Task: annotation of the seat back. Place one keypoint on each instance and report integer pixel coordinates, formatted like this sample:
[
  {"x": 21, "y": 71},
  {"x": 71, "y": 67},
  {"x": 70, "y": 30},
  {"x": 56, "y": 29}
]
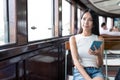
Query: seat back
[
  {"x": 68, "y": 73},
  {"x": 67, "y": 45},
  {"x": 67, "y": 48}
]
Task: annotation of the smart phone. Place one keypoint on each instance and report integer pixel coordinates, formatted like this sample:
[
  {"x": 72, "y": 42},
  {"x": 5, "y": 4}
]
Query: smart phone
[{"x": 96, "y": 44}]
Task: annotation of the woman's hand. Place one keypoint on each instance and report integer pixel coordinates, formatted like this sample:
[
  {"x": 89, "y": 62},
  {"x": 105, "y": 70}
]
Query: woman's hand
[{"x": 96, "y": 52}]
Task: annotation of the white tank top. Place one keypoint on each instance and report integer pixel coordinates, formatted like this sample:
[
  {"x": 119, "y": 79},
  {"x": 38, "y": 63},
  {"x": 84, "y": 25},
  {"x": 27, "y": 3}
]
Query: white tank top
[{"x": 83, "y": 44}]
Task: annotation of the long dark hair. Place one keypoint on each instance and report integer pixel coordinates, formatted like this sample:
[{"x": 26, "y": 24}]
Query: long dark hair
[{"x": 95, "y": 29}]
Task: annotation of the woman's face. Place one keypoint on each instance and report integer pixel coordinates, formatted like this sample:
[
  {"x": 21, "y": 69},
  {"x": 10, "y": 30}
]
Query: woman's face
[{"x": 87, "y": 21}]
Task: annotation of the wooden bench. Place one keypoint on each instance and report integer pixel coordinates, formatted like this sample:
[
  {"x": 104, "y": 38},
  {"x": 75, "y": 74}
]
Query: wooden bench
[{"x": 111, "y": 43}]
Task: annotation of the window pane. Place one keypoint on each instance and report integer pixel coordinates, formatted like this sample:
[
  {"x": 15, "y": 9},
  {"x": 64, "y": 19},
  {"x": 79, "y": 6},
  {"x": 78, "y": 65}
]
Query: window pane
[
  {"x": 109, "y": 22},
  {"x": 40, "y": 21},
  {"x": 2, "y": 23},
  {"x": 117, "y": 22},
  {"x": 12, "y": 21},
  {"x": 78, "y": 19},
  {"x": 65, "y": 18},
  {"x": 7, "y": 22}
]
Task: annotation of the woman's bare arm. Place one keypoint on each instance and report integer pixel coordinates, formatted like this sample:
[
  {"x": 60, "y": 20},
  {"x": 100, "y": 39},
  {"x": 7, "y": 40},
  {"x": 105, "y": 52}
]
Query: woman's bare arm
[{"x": 75, "y": 58}]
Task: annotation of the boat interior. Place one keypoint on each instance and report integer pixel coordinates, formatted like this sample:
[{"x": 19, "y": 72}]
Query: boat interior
[{"x": 28, "y": 54}]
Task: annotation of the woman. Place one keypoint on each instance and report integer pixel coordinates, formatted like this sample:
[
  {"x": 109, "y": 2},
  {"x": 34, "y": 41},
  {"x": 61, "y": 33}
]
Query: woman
[{"x": 86, "y": 61}]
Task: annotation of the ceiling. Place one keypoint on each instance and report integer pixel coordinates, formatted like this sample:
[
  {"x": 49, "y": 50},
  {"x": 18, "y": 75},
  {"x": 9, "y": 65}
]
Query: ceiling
[
  {"x": 110, "y": 6},
  {"x": 104, "y": 7}
]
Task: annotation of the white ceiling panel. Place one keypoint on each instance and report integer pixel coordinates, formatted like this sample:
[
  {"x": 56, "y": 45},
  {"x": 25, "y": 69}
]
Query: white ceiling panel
[{"x": 110, "y": 6}]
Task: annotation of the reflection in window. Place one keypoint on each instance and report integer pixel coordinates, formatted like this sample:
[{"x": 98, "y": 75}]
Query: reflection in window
[
  {"x": 40, "y": 21},
  {"x": 65, "y": 18}
]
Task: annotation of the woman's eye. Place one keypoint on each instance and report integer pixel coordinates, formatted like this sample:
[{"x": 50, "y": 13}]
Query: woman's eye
[
  {"x": 87, "y": 19},
  {"x": 84, "y": 18},
  {"x": 90, "y": 20}
]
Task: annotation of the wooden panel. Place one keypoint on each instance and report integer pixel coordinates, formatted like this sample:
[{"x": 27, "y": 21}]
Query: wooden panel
[
  {"x": 112, "y": 42},
  {"x": 112, "y": 45},
  {"x": 43, "y": 67}
]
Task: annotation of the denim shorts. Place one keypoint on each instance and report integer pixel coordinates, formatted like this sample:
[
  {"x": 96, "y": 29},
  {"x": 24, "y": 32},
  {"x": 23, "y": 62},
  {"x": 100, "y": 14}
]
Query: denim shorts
[{"x": 92, "y": 72}]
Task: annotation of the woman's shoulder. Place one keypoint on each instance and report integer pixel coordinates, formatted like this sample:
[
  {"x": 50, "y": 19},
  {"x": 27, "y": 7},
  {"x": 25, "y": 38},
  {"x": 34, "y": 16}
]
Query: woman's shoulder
[{"x": 73, "y": 37}]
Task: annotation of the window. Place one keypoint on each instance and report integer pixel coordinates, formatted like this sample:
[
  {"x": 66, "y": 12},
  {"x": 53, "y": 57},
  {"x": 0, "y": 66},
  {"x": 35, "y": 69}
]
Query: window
[
  {"x": 40, "y": 19},
  {"x": 101, "y": 20},
  {"x": 2, "y": 23},
  {"x": 78, "y": 19},
  {"x": 117, "y": 22},
  {"x": 65, "y": 18},
  {"x": 7, "y": 21},
  {"x": 109, "y": 22}
]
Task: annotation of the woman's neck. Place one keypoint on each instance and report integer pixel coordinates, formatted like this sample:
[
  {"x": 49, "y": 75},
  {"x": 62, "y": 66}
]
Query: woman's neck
[{"x": 84, "y": 33}]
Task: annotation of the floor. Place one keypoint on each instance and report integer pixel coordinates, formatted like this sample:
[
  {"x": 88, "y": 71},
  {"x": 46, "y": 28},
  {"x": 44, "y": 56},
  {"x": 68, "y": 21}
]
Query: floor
[{"x": 109, "y": 78}]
